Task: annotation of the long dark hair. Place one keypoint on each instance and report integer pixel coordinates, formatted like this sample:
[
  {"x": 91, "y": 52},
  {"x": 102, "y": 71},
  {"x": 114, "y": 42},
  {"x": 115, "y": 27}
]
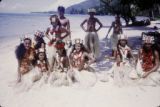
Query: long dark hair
[
  {"x": 146, "y": 50},
  {"x": 64, "y": 52},
  {"x": 45, "y": 59},
  {"x": 82, "y": 48},
  {"x": 20, "y": 51},
  {"x": 152, "y": 50},
  {"x": 39, "y": 41}
]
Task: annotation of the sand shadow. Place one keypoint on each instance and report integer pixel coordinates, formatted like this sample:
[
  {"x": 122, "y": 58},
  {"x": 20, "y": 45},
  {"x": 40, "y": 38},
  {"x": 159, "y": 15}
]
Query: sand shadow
[{"x": 104, "y": 64}]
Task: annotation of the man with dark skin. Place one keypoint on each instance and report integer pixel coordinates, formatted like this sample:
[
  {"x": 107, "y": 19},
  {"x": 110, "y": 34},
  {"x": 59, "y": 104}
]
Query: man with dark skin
[
  {"x": 91, "y": 38},
  {"x": 63, "y": 20}
]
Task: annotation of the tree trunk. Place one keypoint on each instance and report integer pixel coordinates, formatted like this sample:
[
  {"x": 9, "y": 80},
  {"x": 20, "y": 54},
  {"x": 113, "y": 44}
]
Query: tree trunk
[
  {"x": 133, "y": 19},
  {"x": 151, "y": 14},
  {"x": 158, "y": 6}
]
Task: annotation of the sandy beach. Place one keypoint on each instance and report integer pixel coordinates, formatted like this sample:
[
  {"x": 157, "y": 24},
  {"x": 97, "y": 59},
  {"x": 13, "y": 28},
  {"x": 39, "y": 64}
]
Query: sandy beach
[{"x": 102, "y": 94}]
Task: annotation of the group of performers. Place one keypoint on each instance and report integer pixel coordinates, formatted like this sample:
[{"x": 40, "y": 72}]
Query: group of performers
[{"x": 62, "y": 60}]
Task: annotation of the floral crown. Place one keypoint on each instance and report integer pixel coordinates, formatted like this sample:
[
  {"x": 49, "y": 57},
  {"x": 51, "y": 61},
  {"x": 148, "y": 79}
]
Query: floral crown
[
  {"x": 41, "y": 50},
  {"x": 147, "y": 38},
  {"x": 122, "y": 37},
  {"x": 91, "y": 10},
  {"x": 78, "y": 41},
  {"x": 39, "y": 34}
]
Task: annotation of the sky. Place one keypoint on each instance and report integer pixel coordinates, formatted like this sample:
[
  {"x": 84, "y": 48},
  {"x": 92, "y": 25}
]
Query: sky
[{"x": 25, "y": 6}]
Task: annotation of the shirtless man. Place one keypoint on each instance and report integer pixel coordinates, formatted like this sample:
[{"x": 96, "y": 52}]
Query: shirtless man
[
  {"x": 91, "y": 38},
  {"x": 63, "y": 20}
]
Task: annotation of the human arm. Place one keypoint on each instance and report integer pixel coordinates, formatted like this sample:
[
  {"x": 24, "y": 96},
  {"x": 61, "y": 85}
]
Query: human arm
[
  {"x": 121, "y": 31},
  {"x": 71, "y": 61},
  {"x": 82, "y": 25},
  {"x": 68, "y": 25},
  {"x": 91, "y": 59},
  {"x": 67, "y": 33},
  {"x": 109, "y": 29},
  {"x": 47, "y": 34},
  {"x": 100, "y": 25},
  {"x": 19, "y": 73},
  {"x": 118, "y": 60}
]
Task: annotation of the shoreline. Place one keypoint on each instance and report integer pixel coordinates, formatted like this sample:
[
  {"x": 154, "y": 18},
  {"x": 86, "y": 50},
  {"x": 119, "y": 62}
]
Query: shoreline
[{"x": 102, "y": 94}]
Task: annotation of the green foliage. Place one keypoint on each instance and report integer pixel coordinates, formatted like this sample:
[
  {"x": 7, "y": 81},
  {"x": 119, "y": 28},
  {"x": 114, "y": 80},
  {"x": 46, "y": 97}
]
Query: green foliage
[
  {"x": 128, "y": 9},
  {"x": 125, "y": 8},
  {"x": 146, "y": 4}
]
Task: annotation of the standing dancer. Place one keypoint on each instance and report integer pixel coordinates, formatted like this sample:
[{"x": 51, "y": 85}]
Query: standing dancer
[
  {"x": 91, "y": 38},
  {"x": 117, "y": 29}
]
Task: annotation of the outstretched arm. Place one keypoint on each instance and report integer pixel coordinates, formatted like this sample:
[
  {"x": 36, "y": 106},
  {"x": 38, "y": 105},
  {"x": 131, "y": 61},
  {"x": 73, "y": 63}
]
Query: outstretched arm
[
  {"x": 91, "y": 59},
  {"x": 82, "y": 25},
  {"x": 109, "y": 30}
]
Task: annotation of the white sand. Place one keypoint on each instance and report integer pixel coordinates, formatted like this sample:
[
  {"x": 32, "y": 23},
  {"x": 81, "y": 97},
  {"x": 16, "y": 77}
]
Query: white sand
[{"x": 103, "y": 94}]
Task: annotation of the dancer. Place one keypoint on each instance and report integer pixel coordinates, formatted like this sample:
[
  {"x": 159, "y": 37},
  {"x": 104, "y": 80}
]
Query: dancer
[
  {"x": 80, "y": 58},
  {"x": 80, "y": 61},
  {"x": 123, "y": 64},
  {"x": 59, "y": 76},
  {"x": 117, "y": 29},
  {"x": 54, "y": 34},
  {"x": 91, "y": 38},
  {"x": 61, "y": 57},
  {"x": 25, "y": 56},
  {"x": 147, "y": 69},
  {"x": 41, "y": 70}
]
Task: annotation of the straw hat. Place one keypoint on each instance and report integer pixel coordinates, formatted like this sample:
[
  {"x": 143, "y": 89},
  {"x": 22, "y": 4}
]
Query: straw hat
[{"x": 91, "y": 10}]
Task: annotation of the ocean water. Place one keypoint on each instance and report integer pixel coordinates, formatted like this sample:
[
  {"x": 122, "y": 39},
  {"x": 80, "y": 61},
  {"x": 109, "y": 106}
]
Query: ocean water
[{"x": 15, "y": 25}]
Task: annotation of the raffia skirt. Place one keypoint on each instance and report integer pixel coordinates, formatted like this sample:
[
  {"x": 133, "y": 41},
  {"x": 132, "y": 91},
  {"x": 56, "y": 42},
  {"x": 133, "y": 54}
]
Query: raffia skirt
[
  {"x": 83, "y": 78},
  {"x": 114, "y": 41},
  {"x": 153, "y": 79},
  {"x": 92, "y": 43},
  {"x": 33, "y": 77}
]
